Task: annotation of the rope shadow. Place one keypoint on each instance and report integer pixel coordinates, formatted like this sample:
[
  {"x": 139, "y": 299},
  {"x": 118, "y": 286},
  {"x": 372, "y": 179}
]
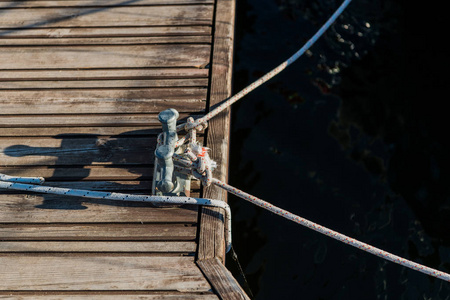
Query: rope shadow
[{"x": 79, "y": 153}]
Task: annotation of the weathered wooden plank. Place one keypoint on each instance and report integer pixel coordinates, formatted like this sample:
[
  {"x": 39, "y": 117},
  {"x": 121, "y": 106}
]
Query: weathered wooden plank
[
  {"x": 97, "y": 173},
  {"x": 127, "y": 123},
  {"x": 80, "y": 131},
  {"x": 211, "y": 231},
  {"x": 5, "y": 4},
  {"x": 76, "y": 151},
  {"x": 37, "y": 208},
  {"x": 211, "y": 237},
  {"x": 98, "y": 131},
  {"x": 86, "y": 173},
  {"x": 106, "y": 16},
  {"x": 221, "y": 87},
  {"x": 90, "y": 57},
  {"x": 97, "y": 246},
  {"x": 68, "y": 150},
  {"x": 129, "y": 31},
  {"x": 97, "y": 232},
  {"x": 142, "y": 186},
  {"x": 222, "y": 280},
  {"x": 115, "y": 175},
  {"x": 107, "y": 295},
  {"x": 91, "y": 101},
  {"x": 98, "y": 84},
  {"x": 104, "y": 74},
  {"x": 100, "y": 273},
  {"x": 105, "y": 41}
]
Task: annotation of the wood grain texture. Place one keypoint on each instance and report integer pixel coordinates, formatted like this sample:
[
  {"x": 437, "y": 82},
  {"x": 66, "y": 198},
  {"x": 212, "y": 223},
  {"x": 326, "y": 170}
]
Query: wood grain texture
[
  {"x": 105, "y": 41},
  {"x": 97, "y": 232},
  {"x": 136, "y": 177},
  {"x": 100, "y": 273},
  {"x": 123, "y": 295},
  {"x": 211, "y": 231},
  {"x": 77, "y": 151},
  {"x": 97, "y": 246},
  {"x": 127, "y": 186},
  {"x": 102, "y": 74},
  {"x": 102, "y": 101},
  {"x": 222, "y": 280},
  {"x": 98, "y": 84},
  {"x": 106, "y": 16},
  {"x": 102, "y": 32},
  {"x": 83, "y": 174},
  {"x": 80, "y": 151},
  {"x": 113, "y": 56},
  {"x": 93, "y": 177},
  {"x": 221, "y": 87},
  {"x": 127, "y": 123},
  {"x": 79, "y": 131},
  {"x": 96, "y": 3},
  {"x": 211, "y": 236}
]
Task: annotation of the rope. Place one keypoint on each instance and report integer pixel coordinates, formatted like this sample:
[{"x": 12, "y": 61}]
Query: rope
[
  {"x": 201, "y": 167},
  {"x": 125, "y": 197},
  {"x": 228, "y": 102},
  {"x": 331, "y": 233},
  {"x": 32, "y": 180}
]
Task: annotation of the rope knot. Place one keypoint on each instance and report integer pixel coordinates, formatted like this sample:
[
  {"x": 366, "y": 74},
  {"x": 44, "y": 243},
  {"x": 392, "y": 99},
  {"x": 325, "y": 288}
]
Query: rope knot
[
  {"x": 203, "y": 165},
  {"x": 190, "y": 125}
]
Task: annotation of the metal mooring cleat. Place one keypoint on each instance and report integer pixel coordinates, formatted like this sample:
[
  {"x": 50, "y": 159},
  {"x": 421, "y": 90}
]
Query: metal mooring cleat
[{"x": 166, "y": 181}]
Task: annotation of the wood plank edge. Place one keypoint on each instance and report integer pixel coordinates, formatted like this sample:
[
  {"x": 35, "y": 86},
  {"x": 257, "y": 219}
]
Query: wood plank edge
[
  {"x": 220, "y": 89},
  {"x": 221, "y": 279},
  {"x": 175, "y": 293}
]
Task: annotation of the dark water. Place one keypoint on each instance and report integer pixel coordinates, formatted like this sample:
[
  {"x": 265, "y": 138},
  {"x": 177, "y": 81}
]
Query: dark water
[{"x": 352, "y": 136}]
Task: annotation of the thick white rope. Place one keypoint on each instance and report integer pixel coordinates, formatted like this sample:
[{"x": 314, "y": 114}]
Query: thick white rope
[
  {"x": 221, "y": 204},
  {"x": 32, "y": 180},
  {"x": 228, "y": 102},
  {"x": 200, "y": 166},
  {"x": 173, "y": 200},
  {"x": 331, "y": 233},
  {"x": 203, "y": 172}
]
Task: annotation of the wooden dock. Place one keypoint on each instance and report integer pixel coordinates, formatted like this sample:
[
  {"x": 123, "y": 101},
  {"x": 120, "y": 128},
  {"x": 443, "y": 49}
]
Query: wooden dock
[{"x": 81, "y": 85}]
